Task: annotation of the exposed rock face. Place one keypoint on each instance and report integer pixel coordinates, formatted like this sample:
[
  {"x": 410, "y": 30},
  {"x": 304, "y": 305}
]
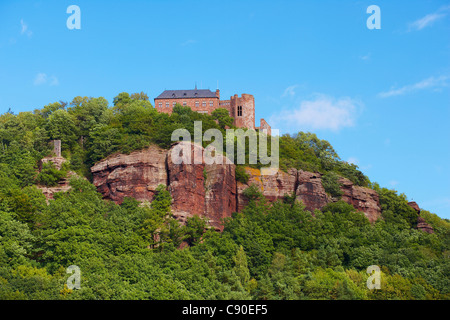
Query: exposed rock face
[
  {"x": 210, "y": 190},
  {"x": 422, "y": 225},
  {"x": 273, "y": 187},
  {"x": 186, "y": 185},
  {"x": 310, "y": 190},
  {"x": 63, "y": 186},
  {"x": 197, "y": 188},
  {"x": 415, "y": 206},
  {"x": 362, "y": 199},
  {"x": 56, "y": 161},
  {"x": 220, "y": 194},
  {"x": 136, "y": 175}
]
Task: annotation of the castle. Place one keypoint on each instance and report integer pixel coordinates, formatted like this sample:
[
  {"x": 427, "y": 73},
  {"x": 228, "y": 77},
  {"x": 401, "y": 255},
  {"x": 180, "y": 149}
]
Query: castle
[{"x": 242, "y": 109}]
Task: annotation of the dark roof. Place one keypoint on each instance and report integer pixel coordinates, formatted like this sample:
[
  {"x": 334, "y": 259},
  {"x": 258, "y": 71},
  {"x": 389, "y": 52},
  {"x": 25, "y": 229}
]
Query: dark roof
[{"x": 179, "y": 94}]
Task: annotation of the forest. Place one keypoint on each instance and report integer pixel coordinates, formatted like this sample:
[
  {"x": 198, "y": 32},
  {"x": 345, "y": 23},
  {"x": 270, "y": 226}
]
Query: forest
[{"x": 269, "y": 251}]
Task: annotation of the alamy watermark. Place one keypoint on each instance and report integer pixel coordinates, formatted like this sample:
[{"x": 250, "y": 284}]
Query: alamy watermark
[
  {"x": 74, "y": 281},
  {"x": 374, "y": 21},
  {"x": 214, "y": 152},
  {"x": 374, "y": 280},
  {"x": 74, "y": 21}
]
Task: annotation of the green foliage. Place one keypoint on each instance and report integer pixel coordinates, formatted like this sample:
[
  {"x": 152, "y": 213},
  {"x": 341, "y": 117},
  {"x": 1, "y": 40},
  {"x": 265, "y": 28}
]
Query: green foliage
[
  {"x": 241, "y": 175},
  {"x": 50, "y": 175},
  {"x": 140, "y": 251},
  {"x": 223, "y": 117},
  {"x": 331, "y": 184}
]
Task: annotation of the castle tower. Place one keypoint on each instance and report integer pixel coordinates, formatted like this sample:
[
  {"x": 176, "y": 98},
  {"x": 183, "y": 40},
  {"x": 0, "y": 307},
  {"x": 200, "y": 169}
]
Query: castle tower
[{"x": 242, "y": 109}]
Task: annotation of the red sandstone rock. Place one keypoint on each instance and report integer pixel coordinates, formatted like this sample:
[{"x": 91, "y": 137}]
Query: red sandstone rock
[
  {"x": 136, "y": 175},
  {"x": 186, "y": 185},
  {"x": 220, "y": 194},
  {"x": 207, "y": 190},
  {"x": 414, "y": 205},
  {"x": 63, "y": 186},
  {"x": 422, "y": 225},
  {"x": 273, "y": 187},
  {"x": 362, "y": 199},
  {"x": 210, "y": 190},
  {"x": 310, "y": 190}
]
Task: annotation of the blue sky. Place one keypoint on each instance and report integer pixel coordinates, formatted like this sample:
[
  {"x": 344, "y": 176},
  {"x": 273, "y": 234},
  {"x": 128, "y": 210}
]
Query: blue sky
[{"x": 381, "y": 97}]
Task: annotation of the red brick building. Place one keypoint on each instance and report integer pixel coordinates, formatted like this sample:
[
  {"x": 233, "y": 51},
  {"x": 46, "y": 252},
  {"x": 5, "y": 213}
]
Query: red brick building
[{"x": 242, "y": 109}]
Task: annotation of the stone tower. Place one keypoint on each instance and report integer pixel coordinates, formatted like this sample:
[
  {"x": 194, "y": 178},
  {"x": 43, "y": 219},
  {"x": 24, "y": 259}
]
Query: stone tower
[{"x": 242, "y": 109}]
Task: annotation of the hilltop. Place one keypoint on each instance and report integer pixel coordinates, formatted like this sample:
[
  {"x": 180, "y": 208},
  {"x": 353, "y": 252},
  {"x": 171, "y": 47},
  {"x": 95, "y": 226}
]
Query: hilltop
[{"x": 308, "y": 232}]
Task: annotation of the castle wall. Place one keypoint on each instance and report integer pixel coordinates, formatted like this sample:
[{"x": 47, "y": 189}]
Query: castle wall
[
  {"x": 247, "y": 118},
  {"x": 242, "y": 109},
  {"x": 206, "y": 105},
  {"x": 265, "y": 126}
]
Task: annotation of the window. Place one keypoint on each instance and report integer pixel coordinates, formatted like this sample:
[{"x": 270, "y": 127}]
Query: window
[
  {"x": 204, "y": 103},
  {"x": 167, "y": 104},
  {"x": 205, "y": 112},
  {"x": 173, "y": 104},
  {"x": 184, "y": 103},
  {"x": 196, "y": 103},
  {"x": 211, "y": 103},
  {"x": 160, "y": 104},
  {"x": 239, "y": 111}
]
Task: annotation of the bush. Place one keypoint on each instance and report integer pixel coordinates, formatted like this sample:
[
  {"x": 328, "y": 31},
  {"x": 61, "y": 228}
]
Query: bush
[
  {"x": 241, "y": 175},
  {"x": 49, "y": 175},
  {"x": 330, "y": 182}
]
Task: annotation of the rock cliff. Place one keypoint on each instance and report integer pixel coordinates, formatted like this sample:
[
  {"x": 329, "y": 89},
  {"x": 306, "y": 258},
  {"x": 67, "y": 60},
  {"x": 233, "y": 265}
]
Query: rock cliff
[
  {"x": 131, "y": 175},
  {"x": 211, "y": 190},
  {"x": 422, "y": 225}
]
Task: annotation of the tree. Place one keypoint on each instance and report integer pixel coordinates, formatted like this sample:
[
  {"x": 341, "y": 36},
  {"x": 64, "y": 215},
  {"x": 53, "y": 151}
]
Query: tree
[
  {"x": 223, "y": 116},
  {"x": 61, "y": 126},
  {"x": 241, "y": 267}
]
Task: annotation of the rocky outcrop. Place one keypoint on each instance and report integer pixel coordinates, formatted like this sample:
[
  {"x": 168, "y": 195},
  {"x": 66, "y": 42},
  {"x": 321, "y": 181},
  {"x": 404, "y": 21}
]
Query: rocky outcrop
[
  {"x": 273, "y": 187},
  {"x": 362, "y": 199},
  {"x": 415, "y": 206},
  {"x": 136, "y": 175},
  {"x": 56, "y": 161},
  {"x": 186, "y": 184},
  {"x": 63, "y": 186},
  {"x": 197, "y": 188},
  {"x": 211, "y": 190},
  {"x": 310, "y": 190},
  {"x": 422, "y": 225}
]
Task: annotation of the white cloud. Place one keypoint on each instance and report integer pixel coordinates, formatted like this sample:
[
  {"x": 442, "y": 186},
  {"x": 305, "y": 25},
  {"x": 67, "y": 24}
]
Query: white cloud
[
  {"x": 54, "y": 81},
  {"x": 431, "y": 82},
  {"x": 429, "y": 19},
  {"x": 323, "y": 112},
  {"x": 24, "y": 28},
  {"x": 289, "y": 91},
  {"x": 42, "y": 78}
]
